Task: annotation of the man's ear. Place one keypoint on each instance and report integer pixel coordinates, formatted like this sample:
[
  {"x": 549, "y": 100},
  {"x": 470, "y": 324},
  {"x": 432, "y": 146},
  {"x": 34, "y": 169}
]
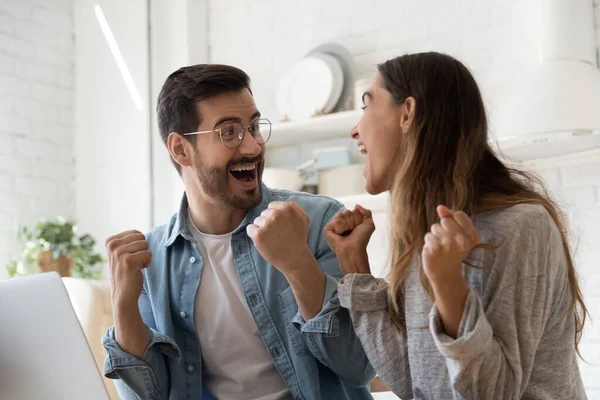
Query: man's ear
[{"x": 181, "y": 149}]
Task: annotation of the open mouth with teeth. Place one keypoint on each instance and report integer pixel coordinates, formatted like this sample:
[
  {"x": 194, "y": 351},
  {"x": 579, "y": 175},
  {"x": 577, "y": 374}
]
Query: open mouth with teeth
[
  {"x": 245, "y": 173},
  {"x": 362, "y": 149}
]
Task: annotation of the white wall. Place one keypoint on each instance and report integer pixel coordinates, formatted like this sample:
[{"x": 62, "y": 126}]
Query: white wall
[
  {"x": 112, "y": 134},
  {"x": 36, "y": 113},
  {"x": 178, "y": 37},
  {"x": 495, "y": 38}
]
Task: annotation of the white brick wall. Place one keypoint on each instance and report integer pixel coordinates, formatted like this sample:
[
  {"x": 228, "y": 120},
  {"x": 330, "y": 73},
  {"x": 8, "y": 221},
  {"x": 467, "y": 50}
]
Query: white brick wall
[
  {"x": 493, "y": 37},
  {"x": 36, "y": 128}
]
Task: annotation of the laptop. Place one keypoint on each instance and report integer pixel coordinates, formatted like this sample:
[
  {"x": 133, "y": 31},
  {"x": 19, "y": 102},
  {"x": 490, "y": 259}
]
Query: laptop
[{"x": 44, "y": 354}]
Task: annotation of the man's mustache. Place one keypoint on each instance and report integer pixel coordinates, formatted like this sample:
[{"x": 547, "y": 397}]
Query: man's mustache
[{"x": 245, "y": 160}]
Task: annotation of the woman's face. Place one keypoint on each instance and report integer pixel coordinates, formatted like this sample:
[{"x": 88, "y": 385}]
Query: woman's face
[{"x": 380, "y": 134}]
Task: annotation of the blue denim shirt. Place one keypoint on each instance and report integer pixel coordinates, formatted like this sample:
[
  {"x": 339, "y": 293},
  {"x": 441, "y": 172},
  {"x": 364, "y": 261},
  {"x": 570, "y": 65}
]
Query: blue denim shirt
[{"x": 318, "y": 359}]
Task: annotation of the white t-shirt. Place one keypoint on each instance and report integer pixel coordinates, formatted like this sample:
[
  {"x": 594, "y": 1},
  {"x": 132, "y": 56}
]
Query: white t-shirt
[{"x": 236, "y": 363}]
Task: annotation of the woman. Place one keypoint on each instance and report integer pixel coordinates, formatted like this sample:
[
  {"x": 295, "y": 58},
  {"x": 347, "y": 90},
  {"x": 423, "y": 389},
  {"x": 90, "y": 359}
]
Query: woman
[{"x": 482, "y": 300}]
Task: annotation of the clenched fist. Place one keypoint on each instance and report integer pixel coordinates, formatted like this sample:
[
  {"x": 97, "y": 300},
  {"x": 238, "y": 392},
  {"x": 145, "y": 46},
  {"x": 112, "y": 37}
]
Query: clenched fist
[
  {"x": 128, "y": 254},
  {"x": 280, "y": 234},
  {"x": 350, "y": 231},
  {"x": 348, "y": 235},
  {"x": 447, "y": 245}
]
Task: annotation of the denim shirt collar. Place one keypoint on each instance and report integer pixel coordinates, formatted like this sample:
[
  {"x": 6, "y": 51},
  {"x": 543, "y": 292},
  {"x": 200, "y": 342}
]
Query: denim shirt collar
[{"x": 181, "y": 228}]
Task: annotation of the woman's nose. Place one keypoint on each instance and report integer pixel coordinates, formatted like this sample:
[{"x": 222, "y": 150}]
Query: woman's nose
[{"x": 354, "y": 132}]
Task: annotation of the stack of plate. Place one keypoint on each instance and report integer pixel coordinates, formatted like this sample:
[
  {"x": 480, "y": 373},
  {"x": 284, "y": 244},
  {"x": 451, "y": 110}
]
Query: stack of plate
[{"x": 317, "y": 84}]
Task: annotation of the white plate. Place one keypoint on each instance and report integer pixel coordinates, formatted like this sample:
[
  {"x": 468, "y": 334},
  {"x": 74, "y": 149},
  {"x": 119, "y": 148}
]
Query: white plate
[
  {"x": 338, "y": 79},
  {"x": 313, "y": 84},
  {"x": 346, "y": 61}
]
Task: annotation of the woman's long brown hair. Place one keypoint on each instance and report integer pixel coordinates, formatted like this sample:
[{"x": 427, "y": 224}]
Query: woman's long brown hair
[{"x": 447, "y": 160}]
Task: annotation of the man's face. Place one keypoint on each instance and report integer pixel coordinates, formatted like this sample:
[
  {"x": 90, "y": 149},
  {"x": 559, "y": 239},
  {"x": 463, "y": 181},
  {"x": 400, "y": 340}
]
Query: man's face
[{"x": 230, "y": 176}]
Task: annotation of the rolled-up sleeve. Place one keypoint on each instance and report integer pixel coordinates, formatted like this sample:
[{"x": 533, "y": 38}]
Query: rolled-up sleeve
[
  {"x": 326, "y": 321},
  {"x": 145, "y": 378},
  {"x": 329, "y": 335}
]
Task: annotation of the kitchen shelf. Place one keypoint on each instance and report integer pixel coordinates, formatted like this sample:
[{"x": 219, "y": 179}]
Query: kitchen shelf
[
  {"x": 524, "y": 148},
  {"x": 323, "y": 127}
]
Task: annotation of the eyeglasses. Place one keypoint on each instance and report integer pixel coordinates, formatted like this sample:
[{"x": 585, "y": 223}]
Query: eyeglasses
[{"x": 232, "y": 134}]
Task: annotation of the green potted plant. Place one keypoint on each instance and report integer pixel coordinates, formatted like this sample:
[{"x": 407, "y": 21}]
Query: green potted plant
[{"x": 54, "y": 245}]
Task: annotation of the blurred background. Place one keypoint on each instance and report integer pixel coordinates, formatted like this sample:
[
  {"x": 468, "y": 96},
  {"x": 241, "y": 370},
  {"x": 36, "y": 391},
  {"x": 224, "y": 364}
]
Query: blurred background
[{"x": 79, "y": 81}]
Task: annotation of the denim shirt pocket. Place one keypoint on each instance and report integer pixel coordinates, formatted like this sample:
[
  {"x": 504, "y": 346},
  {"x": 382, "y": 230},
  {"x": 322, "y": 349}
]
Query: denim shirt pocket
[{"x": 289, "y": 309}]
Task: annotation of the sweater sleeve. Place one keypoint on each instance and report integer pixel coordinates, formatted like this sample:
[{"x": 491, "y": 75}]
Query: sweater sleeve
[
  {"x": 365, "y": 297},
  {"x": 525, "y": 304}
]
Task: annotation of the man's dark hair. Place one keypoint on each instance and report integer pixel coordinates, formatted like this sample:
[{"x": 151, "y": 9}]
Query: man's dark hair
[{"x": 176, "y": 107}]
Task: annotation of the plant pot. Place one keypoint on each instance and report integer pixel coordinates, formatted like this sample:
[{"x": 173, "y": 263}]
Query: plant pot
[{"x": 62, "y": 264}]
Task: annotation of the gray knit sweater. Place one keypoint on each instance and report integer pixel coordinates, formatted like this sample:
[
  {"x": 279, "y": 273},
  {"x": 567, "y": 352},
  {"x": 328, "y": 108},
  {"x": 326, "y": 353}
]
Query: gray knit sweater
[{"x": 515, "y": 338}]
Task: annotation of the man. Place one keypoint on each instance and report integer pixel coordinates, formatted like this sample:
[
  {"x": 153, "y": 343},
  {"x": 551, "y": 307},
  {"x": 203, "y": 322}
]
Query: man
[{"x": 221, "y": 301}]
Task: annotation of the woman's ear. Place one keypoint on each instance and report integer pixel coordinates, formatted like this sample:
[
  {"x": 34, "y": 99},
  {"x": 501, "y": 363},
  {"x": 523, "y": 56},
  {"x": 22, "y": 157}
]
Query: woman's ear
[
  {"x": 408, "y": 113},
  {"x": 180, "y": 149}
]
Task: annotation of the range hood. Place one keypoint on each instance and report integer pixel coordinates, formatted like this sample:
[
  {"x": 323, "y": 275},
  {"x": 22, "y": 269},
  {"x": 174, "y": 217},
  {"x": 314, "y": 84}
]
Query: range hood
[{"x": 559, "y": 112}]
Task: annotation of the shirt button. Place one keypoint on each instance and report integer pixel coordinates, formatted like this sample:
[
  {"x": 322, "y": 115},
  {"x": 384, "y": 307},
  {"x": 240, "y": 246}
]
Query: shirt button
[
  {"x": 190, "y": 368},
  {"x": 183, "y": 314},
  {"x": 192, "y": 259}
]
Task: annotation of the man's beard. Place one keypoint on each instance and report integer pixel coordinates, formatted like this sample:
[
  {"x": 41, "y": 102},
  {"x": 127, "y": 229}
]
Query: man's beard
[{"x": 214, "y": 181}]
